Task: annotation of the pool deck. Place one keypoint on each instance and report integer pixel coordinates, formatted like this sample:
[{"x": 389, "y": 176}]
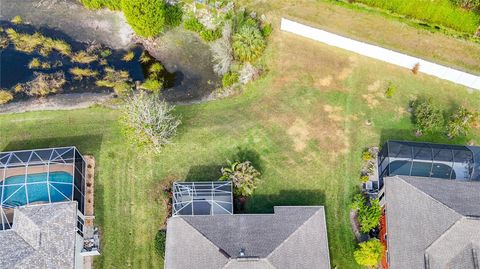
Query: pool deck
[{"x": 32, "y": 169}]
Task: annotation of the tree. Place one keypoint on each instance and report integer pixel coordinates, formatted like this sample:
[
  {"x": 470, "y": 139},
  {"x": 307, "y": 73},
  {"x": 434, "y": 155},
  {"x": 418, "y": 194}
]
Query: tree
[
  {"x": 461, "y": 122},
  {"x": 369, "y": 253},
  {"x": 243, "y": 175},
  {"x": 427, "y": 117},
  {"x": 368, "y": 214},
  {"x": 150, "y": 120},
  {"x": 147, "y": 17},
  {"x": 248, "y": 43}
]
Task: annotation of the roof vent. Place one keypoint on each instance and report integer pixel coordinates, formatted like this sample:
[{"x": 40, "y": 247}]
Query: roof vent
[{"x": 242, "y": 253}]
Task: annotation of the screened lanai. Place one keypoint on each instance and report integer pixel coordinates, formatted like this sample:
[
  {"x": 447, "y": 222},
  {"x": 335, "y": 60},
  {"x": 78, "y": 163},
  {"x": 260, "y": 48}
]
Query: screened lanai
[
  {"x": 429, "y": 160},
  {"x": 40, "y": 176},
  {"x": 202, "y": 198}
]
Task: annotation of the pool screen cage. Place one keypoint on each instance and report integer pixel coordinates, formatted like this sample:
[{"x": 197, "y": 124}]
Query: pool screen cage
[
  {"x": 40, "y": 176},
  {"x": 429, "y": 160},
  {"x": 202, "y": 198}
]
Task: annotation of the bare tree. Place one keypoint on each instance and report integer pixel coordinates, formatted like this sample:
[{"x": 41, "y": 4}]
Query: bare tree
[{"x": 150, "y": 119}]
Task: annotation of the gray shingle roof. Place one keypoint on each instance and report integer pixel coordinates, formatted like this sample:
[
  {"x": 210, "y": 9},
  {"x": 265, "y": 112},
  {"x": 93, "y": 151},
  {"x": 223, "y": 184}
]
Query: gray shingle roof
[
  {"x": 292, "y": 237},
  {"x": 422, "y": 211},
  {"x": 42, "y": 236}
]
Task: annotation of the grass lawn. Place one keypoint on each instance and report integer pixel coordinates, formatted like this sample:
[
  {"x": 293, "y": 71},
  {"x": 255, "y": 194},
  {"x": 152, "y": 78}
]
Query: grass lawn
[
  {"x": 377, "y": 28},
  {"x": 304, "y": 123},
  {"x": 441, "y": 12}
]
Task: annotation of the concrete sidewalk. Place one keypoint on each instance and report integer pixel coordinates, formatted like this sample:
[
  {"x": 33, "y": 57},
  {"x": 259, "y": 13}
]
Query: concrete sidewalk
[{"x": 382, "y": 54}]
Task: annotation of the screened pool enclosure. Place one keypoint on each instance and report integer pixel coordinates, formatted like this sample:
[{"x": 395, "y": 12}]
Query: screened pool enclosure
[
  {"x": 202, "y": 198},
  {"x": 429, "y": 160},
  {"x": 40, "y": 176}
]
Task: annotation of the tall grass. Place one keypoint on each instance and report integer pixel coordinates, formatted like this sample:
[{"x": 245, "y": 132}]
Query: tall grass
[{"x": 441, "y": 12}]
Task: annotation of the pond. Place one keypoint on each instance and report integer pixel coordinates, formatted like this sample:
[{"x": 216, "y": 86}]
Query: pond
[{"x": 19, "y": 67}]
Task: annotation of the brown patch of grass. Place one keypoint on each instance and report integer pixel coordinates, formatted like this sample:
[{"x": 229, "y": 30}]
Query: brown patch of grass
[{"x": 299, "y": 133}]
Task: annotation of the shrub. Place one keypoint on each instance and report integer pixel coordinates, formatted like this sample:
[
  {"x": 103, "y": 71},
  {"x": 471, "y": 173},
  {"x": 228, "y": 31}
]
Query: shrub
[
  {"x": 155, "y": 68},
  {"x": 105, "y": 53},
  {"x": 248, "y": 43},
  {"x": 210, "y": 35},
  {"x": 416, "y": 68},
  {"x": 83, "y": 57},
  {"x": 35, "y": 63},
  {"x": 151, "y": 84},
  {"x": 117, "y": 80},
  {"x": 80, "y": 73},
  {"x": 368, "y": 214},
  {"x": 461, "y": 122},
  {"x": 390, "y": 91},
  {"x": 147, "y": 17},
  {"x": 367, "y": 156},
  {"x": 243, "y": 176},
  {"x": 229, "y": 79},
  {"x": 192, "y": 24},
  {"x": 160, "y": 239},
  {"x": 173, "y": 15},
  {"x": 127, "y": 57},
  {"x": 17, "y": 20},
  {"x": 468, "y": 4},
  {"x": 426, "y": 116},
  {"x": 248, "y": 73},
  {"x": 45, "y": 84},
  {"x": 145, "y": 57},
  {"x": 150, "y": 120},
  {"x": 97, "y": 4},
  {"x": 267, "y": 30},
  {"x": 369, "y": 253},
  {"x": 222, "y": 53},
  {"x": 5, "y": 97},
  {"x": 364, "y": 179}
]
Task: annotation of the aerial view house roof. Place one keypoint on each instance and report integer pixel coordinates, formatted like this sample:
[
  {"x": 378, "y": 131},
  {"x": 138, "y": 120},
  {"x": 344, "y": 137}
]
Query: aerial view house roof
[
  {"x": 432, "y": 223},
  {"x": 42, "y": 236},
  {"x": 291, "y": 237},
  {"x": 42, "y": 209}
]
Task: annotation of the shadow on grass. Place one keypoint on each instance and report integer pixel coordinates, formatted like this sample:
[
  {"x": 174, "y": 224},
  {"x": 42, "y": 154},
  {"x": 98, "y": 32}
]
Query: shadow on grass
[
  {"x": 409, "y": 135},
  {"x": 86, "y": 144},
  {"x": 265, "y": 203},
  {"x": 209, "y": 172}
]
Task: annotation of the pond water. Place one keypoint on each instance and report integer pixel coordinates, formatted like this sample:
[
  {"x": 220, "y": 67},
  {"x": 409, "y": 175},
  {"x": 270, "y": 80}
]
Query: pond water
[{"x": 14, "y": 64}]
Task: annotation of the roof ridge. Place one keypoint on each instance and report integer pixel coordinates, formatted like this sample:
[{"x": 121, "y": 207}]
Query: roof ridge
[
  {"x": 263, "y": 259},
  {"x": 428, "y": 195},
  {"x": 295, "y": 231}
]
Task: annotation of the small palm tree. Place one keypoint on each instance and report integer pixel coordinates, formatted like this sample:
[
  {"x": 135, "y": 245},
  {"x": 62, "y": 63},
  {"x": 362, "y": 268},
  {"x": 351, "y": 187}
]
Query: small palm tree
[
  {"x": 248, "y": 43},
  {"x": 243, "y": 175}
]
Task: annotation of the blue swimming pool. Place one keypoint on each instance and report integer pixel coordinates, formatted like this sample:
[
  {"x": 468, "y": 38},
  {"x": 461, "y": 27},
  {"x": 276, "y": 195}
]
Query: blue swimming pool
[{"x": 14, "y": 191}]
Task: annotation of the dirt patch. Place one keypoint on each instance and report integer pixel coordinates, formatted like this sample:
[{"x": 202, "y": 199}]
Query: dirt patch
[
  {"x": 374, "y": 95},
  {"x": 324, "y": 82},
  {"x": 299, "y": 134}
]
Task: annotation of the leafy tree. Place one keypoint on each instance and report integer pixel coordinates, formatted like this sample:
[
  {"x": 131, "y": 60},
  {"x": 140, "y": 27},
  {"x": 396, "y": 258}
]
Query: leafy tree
[
  {"x": 368, "y": 214},
  {"x": 461, "y": 122},
  {"x": 248, "y": 43},
  {"x": 243, "y": 175},
  {"x": 149, "y": 120},
  {"x": 427, "y": 117},
  {"x": 147, "y": 17},
  {"x": 369, "y": 253}
]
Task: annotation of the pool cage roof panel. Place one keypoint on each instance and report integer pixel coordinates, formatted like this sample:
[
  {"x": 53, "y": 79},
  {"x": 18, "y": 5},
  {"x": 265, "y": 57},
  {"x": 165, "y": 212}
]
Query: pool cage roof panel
[
  {"x": 40, "y": 176},
  {"x": 202, "y": 198},
  {"x": 441, "y": 160}
]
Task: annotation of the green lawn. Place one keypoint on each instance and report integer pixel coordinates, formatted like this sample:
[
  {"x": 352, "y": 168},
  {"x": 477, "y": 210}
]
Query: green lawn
[
  {"x": 304, "y": 125},
  {"x": 441, "y": 12}
]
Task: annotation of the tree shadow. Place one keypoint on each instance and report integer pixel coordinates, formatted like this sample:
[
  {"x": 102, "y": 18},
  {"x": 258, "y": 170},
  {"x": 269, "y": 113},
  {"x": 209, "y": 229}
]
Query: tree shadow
[
  {"x": 209, "y": 172},
  {"x": 243, "y": 154},
  {"x": 86, "y": 144},
  {"x": 265, "y": 203}
]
